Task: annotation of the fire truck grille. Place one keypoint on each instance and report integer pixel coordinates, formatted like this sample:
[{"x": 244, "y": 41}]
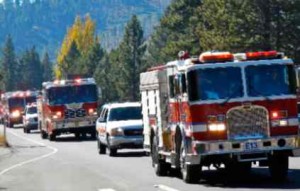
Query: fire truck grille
[
  {"x": 247, "y": 123},
  {"x": 73, "y": 113}
]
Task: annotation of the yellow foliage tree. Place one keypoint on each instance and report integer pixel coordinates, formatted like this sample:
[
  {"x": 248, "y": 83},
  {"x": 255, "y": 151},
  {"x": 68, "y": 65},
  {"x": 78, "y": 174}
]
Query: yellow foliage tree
[{"x": 83, "y": 33}]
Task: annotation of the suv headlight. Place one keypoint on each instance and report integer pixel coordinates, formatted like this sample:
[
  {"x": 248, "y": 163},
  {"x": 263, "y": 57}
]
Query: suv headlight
[{"x": 117, "y": 132}]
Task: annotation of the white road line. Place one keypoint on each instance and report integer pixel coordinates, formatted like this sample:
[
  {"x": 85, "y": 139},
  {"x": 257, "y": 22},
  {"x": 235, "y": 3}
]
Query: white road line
[
  {"x": 54, "y": 150},
  {"x": 164, "y": 187},
  {"x": 106, "y": 189}
]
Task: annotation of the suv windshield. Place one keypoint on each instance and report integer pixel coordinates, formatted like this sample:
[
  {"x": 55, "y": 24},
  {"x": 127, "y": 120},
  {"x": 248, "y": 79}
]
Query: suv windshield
[
  {"x": 215, "y": 83},
  {"x": 269, "y": 80},
  {"x": 31, "y": 110},
  {"x": 72, "y": 94},
  {"x": 125, "y": 113}
]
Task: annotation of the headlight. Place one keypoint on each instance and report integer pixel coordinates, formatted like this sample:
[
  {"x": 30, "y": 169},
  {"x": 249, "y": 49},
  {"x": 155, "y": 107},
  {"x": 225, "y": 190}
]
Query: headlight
[
  {"x": 16, "y": 114},
  {"x": 216, "y": 127},
  {"x": 117, "y": 132}
]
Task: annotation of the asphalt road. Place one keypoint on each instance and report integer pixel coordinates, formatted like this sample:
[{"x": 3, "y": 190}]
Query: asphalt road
[{"x": 70, "y": 164}]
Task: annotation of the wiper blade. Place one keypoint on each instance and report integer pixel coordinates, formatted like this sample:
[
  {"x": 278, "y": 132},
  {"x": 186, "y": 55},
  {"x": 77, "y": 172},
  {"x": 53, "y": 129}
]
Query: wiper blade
[
  {"x": 232, "y": 95},
  {"x": 258, "y": 92}
]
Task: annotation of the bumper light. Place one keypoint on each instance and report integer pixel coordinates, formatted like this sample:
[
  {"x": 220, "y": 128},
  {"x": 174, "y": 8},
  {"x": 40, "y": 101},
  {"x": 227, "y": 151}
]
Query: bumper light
[
  {"x": 280, "y": 123},
  {"x": 217, "y": 127},
  {"x": 15, "y": 114}
]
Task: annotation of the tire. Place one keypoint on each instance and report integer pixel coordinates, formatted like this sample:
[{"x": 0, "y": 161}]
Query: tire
[
  {"x": 111, "y": 151},
  {"x": 278, "y": 166},
  {"x": 24, "y": 130},
  {"x": 190, "y": 173},
  {"x": 52, "y": 137},
  {"x": 101, "y": 148},
  {"x": 93, "y": 135},
  {"x": 161, "y": 168},
  {"x": 77, "y": 135},
  {"x": 44, "y": 135}
]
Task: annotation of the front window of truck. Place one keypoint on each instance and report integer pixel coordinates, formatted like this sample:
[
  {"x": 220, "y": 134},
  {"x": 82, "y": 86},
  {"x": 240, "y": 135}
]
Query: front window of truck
[
  {"x": 125, "y": 113},
  {"x": 17, "y": 102},
  {"x": 215, "y": 83},
  {"x": 72, "y": 94},
  {"x": 270, "y": 80}
]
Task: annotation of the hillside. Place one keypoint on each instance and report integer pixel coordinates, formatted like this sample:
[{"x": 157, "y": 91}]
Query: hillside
[{"x": 43, "y": 23}]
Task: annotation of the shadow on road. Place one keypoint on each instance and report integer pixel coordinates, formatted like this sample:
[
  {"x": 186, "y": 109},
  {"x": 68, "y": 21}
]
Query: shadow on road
[
  {"x": 131, "y": 154},
  {"x": 259, "y": 178},
  {"x": 73, "y": 139}
]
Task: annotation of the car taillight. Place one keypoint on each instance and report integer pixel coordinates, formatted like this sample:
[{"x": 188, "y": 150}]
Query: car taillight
[
  {"x": 279, "y": 114},
  {"x": 57, "y": 115},
  {"x": 92, "y": 111}
]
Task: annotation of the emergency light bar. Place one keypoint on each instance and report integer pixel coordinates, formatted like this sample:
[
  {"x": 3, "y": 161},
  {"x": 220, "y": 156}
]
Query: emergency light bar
[
  {"x": 68, "y": 82},
  {"x": 209, "y": 57},
  {"x": 261, "y": 55}
]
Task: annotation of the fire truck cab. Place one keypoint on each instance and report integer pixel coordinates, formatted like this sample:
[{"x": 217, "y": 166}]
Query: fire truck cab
[
  {"x": 68, "y": 106},
  {"x": 221, "y": 109},
  {"x": 14, "y": 104}
]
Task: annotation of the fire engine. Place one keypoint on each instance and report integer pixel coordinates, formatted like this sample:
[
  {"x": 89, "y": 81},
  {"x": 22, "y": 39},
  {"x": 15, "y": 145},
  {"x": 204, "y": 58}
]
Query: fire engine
[
  {"x": 221, "y": 109},
  {"x": 14, "y": 104},
  {"x": 68, "y": 106}
]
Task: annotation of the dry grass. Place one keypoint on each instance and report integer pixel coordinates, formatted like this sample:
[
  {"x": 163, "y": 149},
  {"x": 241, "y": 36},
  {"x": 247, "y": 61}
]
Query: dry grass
[{"x": 2, "y": 140}]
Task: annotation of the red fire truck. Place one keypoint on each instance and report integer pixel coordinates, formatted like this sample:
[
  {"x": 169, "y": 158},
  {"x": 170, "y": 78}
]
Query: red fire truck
[
  {"x": 68, "y": 106},
  {"x": 221, "y": 109},
  {"x": 14, "y": 104}
]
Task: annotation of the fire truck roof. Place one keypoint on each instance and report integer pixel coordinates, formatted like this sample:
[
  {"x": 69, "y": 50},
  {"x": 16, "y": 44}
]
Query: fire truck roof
[
  {"x": 27, "y": 93},
  {"x": 210, "y": 59}
]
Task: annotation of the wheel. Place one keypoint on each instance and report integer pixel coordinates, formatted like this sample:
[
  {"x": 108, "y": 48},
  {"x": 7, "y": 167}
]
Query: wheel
[
  {"x": 24, "y": 130},
  {"x": 278, "y": 166},
  {"x": 44, "y": 135},
  {"x": 161, "y": 168},
  {"x": 93, "y": 135},
  {"x": 190, "y": 173},
  {"x": 111, "y": 151},
  {"x": 101, "y": 147},
  {"x": 77, "y": 135},
  {"x": 52, "y": 137}
]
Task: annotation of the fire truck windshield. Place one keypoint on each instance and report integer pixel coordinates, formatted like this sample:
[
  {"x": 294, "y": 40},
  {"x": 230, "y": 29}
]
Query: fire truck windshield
[
  {"x": 270, "y": 80},
  {"x": 215, "y": 83},
  {"x": 16, "y": 102},
  {"x": 72, "y": 94}
]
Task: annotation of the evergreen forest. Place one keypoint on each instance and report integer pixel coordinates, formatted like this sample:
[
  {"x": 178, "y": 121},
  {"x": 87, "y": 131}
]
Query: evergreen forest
[{"x": 191, "y": 25}]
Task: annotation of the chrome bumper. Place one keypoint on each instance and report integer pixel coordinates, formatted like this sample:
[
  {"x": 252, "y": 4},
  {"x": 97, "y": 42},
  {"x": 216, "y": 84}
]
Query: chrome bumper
[
  {"x": 126, "y": 141},
  {"x": 261, "y": 147},
  {"x": 74, "y": 123}
]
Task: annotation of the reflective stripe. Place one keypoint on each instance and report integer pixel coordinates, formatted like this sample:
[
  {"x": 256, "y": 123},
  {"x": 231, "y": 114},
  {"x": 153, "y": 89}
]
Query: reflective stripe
[
  {"x": 293, "y": 122},
  {"x": 199, "y": 128}
]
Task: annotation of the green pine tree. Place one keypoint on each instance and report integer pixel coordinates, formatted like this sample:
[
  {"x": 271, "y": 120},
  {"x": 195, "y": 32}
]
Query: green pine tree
[
  {"x": 9, "y": 65},
  {"x": 131, "y": 51},
  {"x": 47, "y": 68}
]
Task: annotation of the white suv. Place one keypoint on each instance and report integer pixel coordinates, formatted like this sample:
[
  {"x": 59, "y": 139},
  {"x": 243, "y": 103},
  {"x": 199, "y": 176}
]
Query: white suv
[
  {"x": 119, "y": 126},
  {"x": 30, "y": 118}
]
